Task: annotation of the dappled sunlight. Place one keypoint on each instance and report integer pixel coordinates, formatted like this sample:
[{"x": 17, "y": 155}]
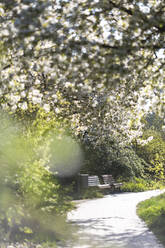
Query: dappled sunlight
[{"x": 112, "y": 222}]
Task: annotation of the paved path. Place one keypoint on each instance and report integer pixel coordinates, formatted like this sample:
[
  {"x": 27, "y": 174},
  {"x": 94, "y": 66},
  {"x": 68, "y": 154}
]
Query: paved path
[{"x": 111, "y": 222}]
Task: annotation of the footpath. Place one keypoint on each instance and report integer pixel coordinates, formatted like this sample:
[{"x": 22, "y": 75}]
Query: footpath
[{"x": 112, "y": 222}]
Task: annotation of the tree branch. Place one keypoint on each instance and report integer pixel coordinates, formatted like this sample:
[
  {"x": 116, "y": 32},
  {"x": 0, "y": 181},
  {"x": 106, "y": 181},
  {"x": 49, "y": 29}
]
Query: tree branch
[{"x": 128, "y": 11}]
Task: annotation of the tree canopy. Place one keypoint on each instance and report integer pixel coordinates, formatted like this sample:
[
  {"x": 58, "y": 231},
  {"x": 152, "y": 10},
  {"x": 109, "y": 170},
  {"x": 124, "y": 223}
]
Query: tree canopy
[{"x": 99, "y": 64}]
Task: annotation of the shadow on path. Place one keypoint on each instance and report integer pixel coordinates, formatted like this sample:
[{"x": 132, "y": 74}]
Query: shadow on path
[{"x": 111, "y": 222}]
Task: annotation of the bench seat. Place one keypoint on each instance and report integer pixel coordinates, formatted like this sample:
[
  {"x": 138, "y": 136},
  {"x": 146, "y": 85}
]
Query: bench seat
[
  {"x": 93, "y": 181},
  {"x": 108, "y": 179},
  {"x": 104, "y": 186},
  {"x": 107, "y": 182}
]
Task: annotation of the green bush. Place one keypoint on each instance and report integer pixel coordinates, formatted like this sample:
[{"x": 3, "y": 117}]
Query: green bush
[
  {"x": 111, "y": 158},
  {"x": 140, "y": 184},
  {"x": 134, "y": 186},
  {"x": 33, "y": 203},
  {"x": 153, "y": 153}
]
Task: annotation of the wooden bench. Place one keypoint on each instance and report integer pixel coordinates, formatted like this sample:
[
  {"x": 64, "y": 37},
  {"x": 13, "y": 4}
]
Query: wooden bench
[
  {"x": 107, "y": 182},
  {"x": 108, "y": 179},
  {"x": 93, "y": 181}
]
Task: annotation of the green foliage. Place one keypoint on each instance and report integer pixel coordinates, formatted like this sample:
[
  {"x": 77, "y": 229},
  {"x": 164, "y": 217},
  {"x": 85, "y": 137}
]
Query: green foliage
[
  {"x": 153, "y": 153},
  {"x": 152, "y": 211},
  {"x": 33, "y": 203},
  {"x": 154, "y": 122},
  {"x": 135, "y": 185},
  {"x": 111, "y": 158},
  {"x": 140, "y": 184},
  {"x": 91, "y": 192}
]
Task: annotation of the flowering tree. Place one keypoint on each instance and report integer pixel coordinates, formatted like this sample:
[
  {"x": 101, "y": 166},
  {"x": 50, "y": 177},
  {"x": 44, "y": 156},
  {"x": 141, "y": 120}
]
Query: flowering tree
[{"x": 99, "y": 64}]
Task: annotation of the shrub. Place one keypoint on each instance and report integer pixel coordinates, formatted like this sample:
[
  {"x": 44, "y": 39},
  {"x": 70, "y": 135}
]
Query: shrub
[
  {"x": 110, "y": 158},
  {"x": 140, "y": 184},
  {"x": 153, "y": 153},
  {"x": 33, "y": 203},
  {"x": 134, "y": 186}
]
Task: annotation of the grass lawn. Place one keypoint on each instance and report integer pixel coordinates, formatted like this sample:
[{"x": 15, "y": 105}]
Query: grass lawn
[{"x": 152, "y": 211}]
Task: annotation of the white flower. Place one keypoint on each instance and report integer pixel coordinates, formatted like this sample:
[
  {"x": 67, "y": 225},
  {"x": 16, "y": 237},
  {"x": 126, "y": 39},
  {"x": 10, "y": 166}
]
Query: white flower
[
  {"x": 68, "y": 84},
  {"x": 35, "y": 92},
  {"x": 55, "y": 98},
  {"x": 14, "y": 107},
  {"x": 2, "y": 12},
  {"x": 163, "y": 128},
  {"x": 36, "y": 99},
  {"x": 37, "y": 81},
  {"x": 94, "y": 103},
  {"x": 57, "y": 110},
  {"x": 23, "y": 105},
  {"x": 15, "y": 99},
  {"x": 46, "y": 107},
  {"x": 99, "y": 86},
  {"x": 12, "y": 83},
  {"x": 23, "y": 94},
  {"x": 150, "y": 138}
]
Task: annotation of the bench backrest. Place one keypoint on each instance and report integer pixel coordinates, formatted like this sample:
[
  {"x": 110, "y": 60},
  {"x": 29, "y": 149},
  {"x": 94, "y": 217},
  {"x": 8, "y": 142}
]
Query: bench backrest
[
  {"x": 108, "y": 179},
  {"x": 93, "y": 181}
]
